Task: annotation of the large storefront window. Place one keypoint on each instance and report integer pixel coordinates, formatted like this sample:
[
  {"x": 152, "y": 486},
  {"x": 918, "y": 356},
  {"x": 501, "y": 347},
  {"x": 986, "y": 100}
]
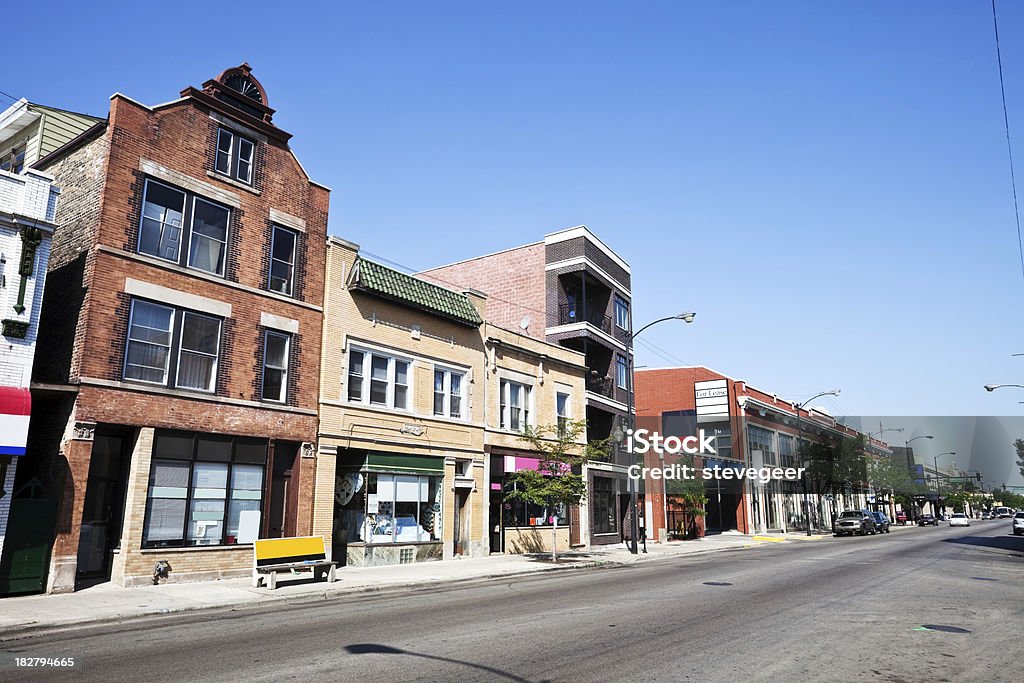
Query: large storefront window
[
  {"x": 204, "y": 489},
  {"x": 520, "y": 513},
  {"x": 760, "y": 439},
  {"x": 381, "y": 507},
  {"x": 602, "y": 495}
]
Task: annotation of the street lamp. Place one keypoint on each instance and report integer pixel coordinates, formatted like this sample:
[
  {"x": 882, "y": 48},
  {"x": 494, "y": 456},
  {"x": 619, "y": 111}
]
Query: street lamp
[
  {"x": 631, "y": 424},
  {"x": 913, "y": 508},
  {"x": 938, "y": 483},
  {"x": 799, "y": 433},
  {"x": 993, "y": 387},
  {"x": 892, "y": 491}
]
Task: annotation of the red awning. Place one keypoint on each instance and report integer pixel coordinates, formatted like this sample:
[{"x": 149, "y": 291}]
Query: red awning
[
  {"x": 15, "y": 407},
  {"x": 15, "y": 401}
]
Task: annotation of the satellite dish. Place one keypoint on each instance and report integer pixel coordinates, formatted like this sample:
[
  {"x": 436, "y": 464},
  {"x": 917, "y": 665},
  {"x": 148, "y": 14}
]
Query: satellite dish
[{"x": 525, "y": 322}]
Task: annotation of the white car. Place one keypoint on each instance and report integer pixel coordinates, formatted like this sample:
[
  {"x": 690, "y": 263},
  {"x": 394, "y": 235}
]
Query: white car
[
  {"x": 1018, "y": 524},
  {"x": 959, "y": 519}
]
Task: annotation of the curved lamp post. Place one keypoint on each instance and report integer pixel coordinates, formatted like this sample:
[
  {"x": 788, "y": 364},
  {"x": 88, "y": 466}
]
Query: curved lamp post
[
  {"x": 993, "y": 387},
  {"x": 938, "y": 482},
  {"x": 799, "y": 433},
  {"x": 630, "y": 422},
  {"x": 892, "y": 491}
]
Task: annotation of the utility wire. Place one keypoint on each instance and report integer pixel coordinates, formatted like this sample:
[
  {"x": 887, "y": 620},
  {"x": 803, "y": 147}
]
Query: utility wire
[
  {"x": 662, "y": 353},
  {"x": 1009, "y": 147}
]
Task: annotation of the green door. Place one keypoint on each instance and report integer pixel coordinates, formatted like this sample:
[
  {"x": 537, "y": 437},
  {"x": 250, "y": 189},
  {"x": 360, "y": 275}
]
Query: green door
[{"x": 26, "y": 552}]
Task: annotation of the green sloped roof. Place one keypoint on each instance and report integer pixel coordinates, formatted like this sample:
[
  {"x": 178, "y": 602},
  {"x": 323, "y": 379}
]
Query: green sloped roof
[{"x": 373, "y": 278}]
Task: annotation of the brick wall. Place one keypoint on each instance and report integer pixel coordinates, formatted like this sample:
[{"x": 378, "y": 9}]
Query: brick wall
[
  {"x": 513, "y": 281},
  {"x": 86, "y": 315}
]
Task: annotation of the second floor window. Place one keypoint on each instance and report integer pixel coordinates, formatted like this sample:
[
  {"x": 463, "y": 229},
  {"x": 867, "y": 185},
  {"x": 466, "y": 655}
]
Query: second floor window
[
  {"x": 562, "y": 407},
  {"x": 448, "y": 393},
  {"x": 172, "y": 347},
  {"x": 234, "y": 156},
  {"x": 515, "y": 405},
  {"x": 282, "y": 261},
  {"x": 14, "y": 160},
  {"x": 378, "y": 380},
  {"x": 621, "y": 372},
  {"x": 162, "y": 231},
  {"x": 275, "y": 366}
]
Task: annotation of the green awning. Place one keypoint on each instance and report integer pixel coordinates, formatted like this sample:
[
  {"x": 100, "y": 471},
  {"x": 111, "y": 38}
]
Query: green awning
[{"x": 405, "y": 464}]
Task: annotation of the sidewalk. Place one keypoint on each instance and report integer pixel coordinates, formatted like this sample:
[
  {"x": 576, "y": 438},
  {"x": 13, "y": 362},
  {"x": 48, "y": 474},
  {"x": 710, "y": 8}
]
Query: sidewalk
[{"x": 108, "y": 603}]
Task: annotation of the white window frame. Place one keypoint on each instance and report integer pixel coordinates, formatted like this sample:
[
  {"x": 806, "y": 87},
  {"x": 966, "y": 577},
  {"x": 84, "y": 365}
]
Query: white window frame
[
  {"x": 622, "y": 382},
  {"x": 527, "y": 413},
  {"x": 563, "y": 420},
  {"x": 446, "y": 390},
  {"x": 283, "y": 397},
  {"x": 620, "y": 304},
  {"x": 186, "y": 229},
  {"x": 170, "y": 344},
  {"x": 234, "y": 156},
  {"x": 295, "y": 249},
  {"x": 174, "y": 350},
  {"x": 393, "y": 359}
]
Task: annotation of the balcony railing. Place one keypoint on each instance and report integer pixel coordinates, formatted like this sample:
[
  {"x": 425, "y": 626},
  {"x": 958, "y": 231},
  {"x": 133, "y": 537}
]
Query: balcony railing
[
  {"x": 567, "y": 315},
  {"x": 601, "y": 385}
]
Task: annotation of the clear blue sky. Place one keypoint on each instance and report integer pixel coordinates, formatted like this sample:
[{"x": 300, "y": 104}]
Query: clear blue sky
[{"x": 826, "y": 184}]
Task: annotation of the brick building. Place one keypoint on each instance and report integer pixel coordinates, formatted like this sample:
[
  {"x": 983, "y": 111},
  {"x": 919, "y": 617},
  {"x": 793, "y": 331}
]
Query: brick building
[
  {"x": 176, "y": 391},
  {"x": 569, "y": 289},
  {"x": 752, "y": 428},
  {"x": 401, "y": 473},
  {"x": 28, "y": 202},
  {"x": 540, "y": 384}
]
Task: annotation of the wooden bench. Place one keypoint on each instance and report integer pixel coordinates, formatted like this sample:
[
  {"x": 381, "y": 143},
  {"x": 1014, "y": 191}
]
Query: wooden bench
[{"x": 273, "y": 555}]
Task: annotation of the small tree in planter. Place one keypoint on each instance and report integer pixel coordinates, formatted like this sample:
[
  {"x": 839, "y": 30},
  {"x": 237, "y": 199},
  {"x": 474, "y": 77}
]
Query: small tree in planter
[
  {"x": 557, "y": 481},
  {"x": 688, "y": 497}
]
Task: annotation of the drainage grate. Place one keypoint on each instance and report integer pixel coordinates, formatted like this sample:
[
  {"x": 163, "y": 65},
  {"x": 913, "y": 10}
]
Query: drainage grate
[
  {"x": 717, "y": 583},
  {"x": 983, "y": 578},
  {"x": 406, "y": 555},
  {"x": 942, "y": 627}
]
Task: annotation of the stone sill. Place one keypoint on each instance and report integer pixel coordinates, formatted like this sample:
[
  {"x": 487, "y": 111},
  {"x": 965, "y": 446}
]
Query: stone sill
[{"x": 200, "y": 548}]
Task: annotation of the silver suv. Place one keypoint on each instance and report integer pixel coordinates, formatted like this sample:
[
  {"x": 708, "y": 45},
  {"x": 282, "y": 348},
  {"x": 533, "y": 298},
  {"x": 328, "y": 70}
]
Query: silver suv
[
  {"x": 1018, "y": 524},
  {"x": 859, "y": 522}
]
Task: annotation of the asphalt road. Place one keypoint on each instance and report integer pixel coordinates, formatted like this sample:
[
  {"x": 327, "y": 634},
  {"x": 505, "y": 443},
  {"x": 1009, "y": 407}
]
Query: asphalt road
[{"x": 843, "y": 609}]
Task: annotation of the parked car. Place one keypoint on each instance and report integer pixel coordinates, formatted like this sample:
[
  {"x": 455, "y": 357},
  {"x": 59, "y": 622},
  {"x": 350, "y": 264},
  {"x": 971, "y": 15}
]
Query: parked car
[
  {"x": 859, "y": 522},
  {"x": 901, "y": 517},
  {"x": 1018, "y": 524},
  {"x": 1003, "y": 512},
  {"x": 959, "y": 519},
  {"x": 986, "y": 515},
  {"x": 881, "y": 522},
  {"x": 926, "y": 520}
]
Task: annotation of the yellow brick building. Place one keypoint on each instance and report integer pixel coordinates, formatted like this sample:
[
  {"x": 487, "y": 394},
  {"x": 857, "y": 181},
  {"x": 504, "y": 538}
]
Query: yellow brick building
[
  {"x": 401, "y": 470},
  {"x": 536, "y": 383}
]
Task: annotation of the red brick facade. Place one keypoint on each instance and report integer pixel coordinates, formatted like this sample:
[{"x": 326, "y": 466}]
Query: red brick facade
[{"x": 87, "y": 313}]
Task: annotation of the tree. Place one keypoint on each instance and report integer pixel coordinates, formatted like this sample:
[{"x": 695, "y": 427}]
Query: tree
[
  {"x": 687, "y": 496},
  {"x": 557, "y": 481},
  {"x": 836, "y": 466},
  {"x": 1019, "y": 445}
]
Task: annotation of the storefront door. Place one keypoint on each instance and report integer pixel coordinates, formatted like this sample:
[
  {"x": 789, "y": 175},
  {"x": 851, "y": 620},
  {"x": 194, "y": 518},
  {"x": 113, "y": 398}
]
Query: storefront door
[{"x": 103, "y": 511}]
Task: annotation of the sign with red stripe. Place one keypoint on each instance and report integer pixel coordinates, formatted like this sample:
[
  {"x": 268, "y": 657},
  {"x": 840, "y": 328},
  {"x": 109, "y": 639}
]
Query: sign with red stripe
[{"x": 15, "y": 407}]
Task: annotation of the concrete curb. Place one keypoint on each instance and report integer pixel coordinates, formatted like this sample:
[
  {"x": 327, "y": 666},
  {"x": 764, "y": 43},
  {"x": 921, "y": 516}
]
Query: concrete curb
[
  {"x": 9, "y": 634},
  {"x": 29, "y": 629}
]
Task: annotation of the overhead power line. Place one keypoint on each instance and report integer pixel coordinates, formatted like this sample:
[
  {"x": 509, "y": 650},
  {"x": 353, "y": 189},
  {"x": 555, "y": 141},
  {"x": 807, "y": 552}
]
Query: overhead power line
[{"x": 1009, "y": 147}]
